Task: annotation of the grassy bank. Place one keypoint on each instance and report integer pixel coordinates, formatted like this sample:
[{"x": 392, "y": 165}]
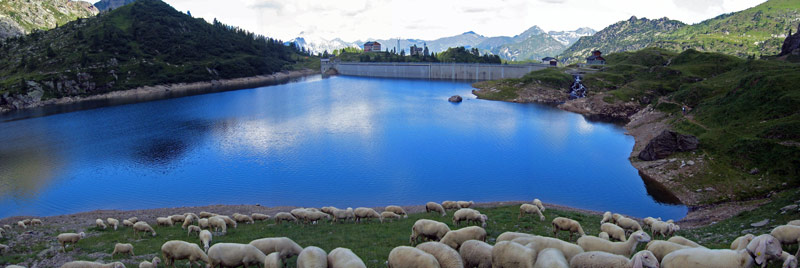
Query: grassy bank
[{"x": 373, "y": 241}]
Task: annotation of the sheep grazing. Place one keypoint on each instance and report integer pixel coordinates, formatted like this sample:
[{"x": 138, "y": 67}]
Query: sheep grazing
[
  {"x": 613, "y": 231},
  {"x": 683, "y": 241},
  {"x": 789, "y": 260},
  {"x": 142, "y": 227},
  {"x": 445, "y": 255},
  {"x": 284, "y": 216},
  {"x": 69, "y": 238},
  {"x": 762, "y": 248},
  {"x": 188, "y": 220},
  {"x": 589, "y": 243},
  {"x": 21, "y": 224},
  {"x": 204, "y": 214},
  {"x": 177, "y": 218},
  {"x": 648, "y": 222},
  {"x": 551, "y": 258},
  {"x": 397, "y": 210},
  {"x": 179, "y": 250},
  {"x": 465, "y": 204},
  {"x": 127, "y": 223},
  {"x": 203, "y": 223},
  {"x": 530, "y": 209},
  {"x": 300, "y": 213},
  {"x": 243, "y": 218},
  {"x": 193, "y": 229},
  {"x": 113, "y": 222},
  {"x": 205, "y": 237},
  {"x": 99, "y": 223},
  {"x": 539, "y": 243},
  {"x": 428, "y": 229},
  {"x": 538, "y": 203},
  {"x": 120, "y": 248},
  {"x": 147, "y": 264},
  {"x": 366, "y": 213},
  {"x": 642, "y": 259},
  {"x": 662, "y": 228},
  {"x": 408, "y": 257},
  {"x": 604, "y": 236},
  {"x": 164, "y": 221},
  {"x": 508, "y": 236},
  {"x": 217, "y": 224},
  {"x": 316, "y": 216},
  {"x": 661, "y": 248},
  {"x": 273, "y": 260},
  {"x": 607, "y": 218},
  {"x": 344, "y": 258},
  {"x": 235, "y": 255},
  {"x": 433, "y": 206},
  {"x": 388, "y": 215},
  {"x": 742, "y": 241},
  {"x": 628, "y": 224},
  {"x": 230, "y": 222},
  {"x": 450, "y": 205},
  {"x": 469, "y": 215},
  {"x": 564, "y": 224},
  {"x": 259, "y": 217},
  {"x": 35, "y": 222},
  {"x": 133, "y": 219},
  {"x": 88, "y": 264},
  {"x": 507, "y": 254},
  {"x": 456, "y": 237},
  {"x": 329, "y": 210},
  {"x": 312, "y": 257},
  {"x": 787, "y": 235},
  {"x": 285, "y": 247},
  {"x": 343, "y": 214},
  {"x": 476, "y": 253}
]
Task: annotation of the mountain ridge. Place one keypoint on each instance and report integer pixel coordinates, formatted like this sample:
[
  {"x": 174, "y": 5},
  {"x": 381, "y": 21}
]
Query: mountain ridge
[{"x": 23, "y": 17}]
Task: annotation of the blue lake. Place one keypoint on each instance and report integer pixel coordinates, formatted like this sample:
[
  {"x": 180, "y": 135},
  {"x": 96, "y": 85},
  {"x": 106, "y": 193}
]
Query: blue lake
[{"x": 341, "y": 141}]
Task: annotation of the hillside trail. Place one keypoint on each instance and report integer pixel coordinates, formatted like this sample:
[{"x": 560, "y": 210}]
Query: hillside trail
[{"x": 686, "y": 114}]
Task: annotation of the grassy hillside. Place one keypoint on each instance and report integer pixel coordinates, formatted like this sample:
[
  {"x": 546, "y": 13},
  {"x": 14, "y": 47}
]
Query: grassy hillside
[
  {"x": 145, "y": 43},
  {"x": 755, "y": 31},
  {"x": 19, "y": 17}
]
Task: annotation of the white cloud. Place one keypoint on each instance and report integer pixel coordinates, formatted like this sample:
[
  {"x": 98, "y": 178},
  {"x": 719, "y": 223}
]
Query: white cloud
[{"x": 362, "y": 19}]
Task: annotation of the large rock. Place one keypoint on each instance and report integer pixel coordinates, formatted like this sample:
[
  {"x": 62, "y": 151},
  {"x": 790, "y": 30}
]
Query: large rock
[
  {"x": 792, "y": 43},
  {"x": 455, "y": 98},
  {"x": 667, "y": 143}
]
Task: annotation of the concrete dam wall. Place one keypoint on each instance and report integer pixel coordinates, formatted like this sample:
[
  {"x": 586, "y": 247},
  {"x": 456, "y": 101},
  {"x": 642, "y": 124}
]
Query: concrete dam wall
[{"x": 423, "y": 70}]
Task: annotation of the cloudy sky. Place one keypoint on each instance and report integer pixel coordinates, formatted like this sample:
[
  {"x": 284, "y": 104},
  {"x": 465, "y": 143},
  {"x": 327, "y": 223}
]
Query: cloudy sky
[{"x": 430, "y": 19}]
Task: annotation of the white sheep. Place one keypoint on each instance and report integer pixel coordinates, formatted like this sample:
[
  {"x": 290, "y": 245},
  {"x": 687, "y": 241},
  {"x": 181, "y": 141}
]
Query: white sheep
[
  {"x": 508, "y": 236},
  {"x": 648, "y": 222},
  {"x": 607, "y": 218},
  {"x": 342, "y": 214},
  {"x": 230, "y": 222},
  {"x": 630, "y": 225},
  {"x": 456, "y": 237},
  {"x": 259, "y": 217},
  {"x": 344, "y": 258},
  {"x": 127, "y": 223},
  {"x": 446, "y": 256},
  {"x": 284, "y": 216},
  {"x": 165, "y": 221},
  {"x": 194, "y": 216},
  {"x": 569, "y": 225},
  {"x": 366, "y": 213},
  {"x": 604, "y": 236},
  {"x": 243, "y": 218},
  {"x": 683, "y": 241},
  {"x": 120, "y": 248},
  {"x": 762, "y": 247},
  {"x": 590, "y": 243},
  {"x": 794, "y": 222},
  {"x": 113, "y": 222},
  {"x": 469, "y": 215},
  {"x": 662, "y": 228},
  {"x": 193, "y": 229},
  {"x": 465, "y": 204},
  {"x": 530, "y": 209},
  {"x": 98, "y": 222},
  {"x": 69, "y": 238},
  {"x": 235, "y": 255},
  {"x": 539, "y": 243},
  {"x": 450, "y": 205},
  {"x": 21, "y": 224},
  {"x": 188, "y": 220},
  {"x": 789, "y": 260},
  {"x": 388, "y": 215},
  {"x": 88, "y": 264},
  {"x": 205, "y": 214},
  {"x": 397, "y": 210},
  {"x": 300, "y": 213},
  {"x": 642, "y": 259},
  {"x": 538, "y": 203},
  {"x": 205, "y": 237},
  {"x": 507, "y": 254},
  {"x": 142, "y": 227},
  {"x": 788, "y": 235},
  {"x": 613, "y": 231},
  {"x": 551, "y": 258},
  {"x": 316, "y": 216},
  {"x": 285, "y": 247},
  {"x": 408, "y": 257},
  {"x": 203, "y": 223},
  {"x": 133, "y": 219},
  {"x": 153, "y": 264},
  {"x": 433, "y": 206},
  {"x": 428, "y": 229},
  {"x": 742, "y": 241},
  {"x": 661, "y": 248},
  {"x": 177, "y": 218},
  {"x": 273, "y": 260},
  {"x": 217, "y": 224},
  {"x": 35, "y": 222},
  {"x": 179, "y": 250},
  {"x": 312, "y": 257},
  {"x": 476, "y": 253},
  {"x": 15, "y": 266},
  {"x": 329, "y": 210}
]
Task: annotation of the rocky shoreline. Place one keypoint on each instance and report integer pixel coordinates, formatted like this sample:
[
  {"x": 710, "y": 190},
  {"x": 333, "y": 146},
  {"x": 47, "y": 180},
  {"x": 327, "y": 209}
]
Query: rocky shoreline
[{"x": 172, "y": 90}]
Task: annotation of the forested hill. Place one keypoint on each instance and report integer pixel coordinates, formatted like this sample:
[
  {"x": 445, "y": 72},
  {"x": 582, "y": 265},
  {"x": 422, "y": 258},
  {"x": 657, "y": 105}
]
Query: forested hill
[{"x": 144, "y": 43}]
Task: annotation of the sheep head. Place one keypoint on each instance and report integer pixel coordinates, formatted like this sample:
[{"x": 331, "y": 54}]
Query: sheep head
[
  {"x": 484, "y": 218},
  {"x": 790, "y": 262},
  {"x": 640, "y": 236},
  {"x": 644, "y": 259},
  {"x": 154, "y": 233},
  {"x": 82, "y": 234},
  {"x": 764, "y": 246}
]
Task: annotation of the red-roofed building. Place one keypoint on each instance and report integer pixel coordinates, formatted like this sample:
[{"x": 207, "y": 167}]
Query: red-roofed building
[{"x": 372, "y": 47}]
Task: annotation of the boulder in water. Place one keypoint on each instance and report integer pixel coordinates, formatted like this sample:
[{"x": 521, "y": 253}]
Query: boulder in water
[
  {"x": 667, "y": 143},
  {"x": 455, "y": 98}
]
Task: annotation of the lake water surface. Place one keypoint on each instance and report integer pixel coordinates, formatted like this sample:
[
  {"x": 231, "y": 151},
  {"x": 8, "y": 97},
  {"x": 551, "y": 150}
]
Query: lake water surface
[{"x": 342, "y": 141}]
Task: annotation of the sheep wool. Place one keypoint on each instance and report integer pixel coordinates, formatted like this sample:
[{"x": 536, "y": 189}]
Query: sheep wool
[
  {"x": 312, "y": 257},
  {"x": 397, "y": 210},
  {"x": 613, "y": 231},
  {"x": 205, "y": 237},
  {"x": 551, "y": 258},
  {"x": 450, "y": 205},
  {"x": 530, "y": 209},
  {"x": 193, "y": 229},
  {"x": 661, "y": 248},
  {"x": 508, "y": 236},
  {"x": 456, "y": 237},
  {"x": 153, "y": 264},
  {"x": 388, "y": 215},
  {"x": 344, "y": 258},
  {"x": 366, "y": 213},
  {"x": 408, "y": 257},
  {"x": 188, "y": 220},
  {"x": 143, "y": 227},
  {"x": 742, "y": 241},
  {"x": 539, "y": 243},
  {"x": 607, "y": 218},
  {"x": 343, "y": 214},
  {"x": 165, "y": 221},
  {"x": 235, "y": 255},
  {"x": 590, "y": 243},
  {"x": 98, "y": 222},
  {"x": 428, "y": 229},
  {"x": 598, "y": 259},
  {"x": 88, "y": 264},
  {"x": 433, "y": 206},
  {"x": 69, "y": 238},
  {"x": 273, "y": 260},
  {"x": 787, "y": 235},
  {"x": 469, "y": 215},
  {"x": 285, "y": 247},
  {"x": 564, "y": 224},
  {"x": 120, "y": 248},
  {"x": 762, "y": 247},
  {"x": 217, "y": 224},
  {"x": 113, "y": 222},
  {"x": 284, "y": 216},
  {"x": 127, "y": 223},
  {"x": 684, "y": 241},
  {"x": 446, "y": 256},
  {"x": 604, "y": 236},
  {"x": 476, "y": 253},
  {"x": 203, "y": 223},
  {"x": 259, "y": 217},
  {"x": 179, "y": 250},
  {"x": 465, "y": 204},
  {"x": 538, "y": 203},
  {"x": 507, "y": 254}
]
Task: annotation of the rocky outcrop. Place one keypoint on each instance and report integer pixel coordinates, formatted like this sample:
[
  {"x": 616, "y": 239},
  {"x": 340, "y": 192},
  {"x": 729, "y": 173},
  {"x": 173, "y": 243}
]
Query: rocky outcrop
[
  {"x": 792, "y": 43},
  {"x": 667, "y": 143},
  {"x": 455, "y": 98},
  {"x": 40, "y": 15},
  {"x": 595, "y": 108}
]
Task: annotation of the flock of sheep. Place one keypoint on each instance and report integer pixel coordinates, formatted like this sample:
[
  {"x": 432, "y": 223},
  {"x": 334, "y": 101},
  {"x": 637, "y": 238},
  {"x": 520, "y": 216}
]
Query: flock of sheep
[{"x": 615, "y": 246}]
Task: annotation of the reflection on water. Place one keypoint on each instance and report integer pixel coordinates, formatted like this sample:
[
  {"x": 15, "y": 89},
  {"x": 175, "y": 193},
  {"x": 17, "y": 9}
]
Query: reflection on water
[{"x": 312, "y": 143}]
